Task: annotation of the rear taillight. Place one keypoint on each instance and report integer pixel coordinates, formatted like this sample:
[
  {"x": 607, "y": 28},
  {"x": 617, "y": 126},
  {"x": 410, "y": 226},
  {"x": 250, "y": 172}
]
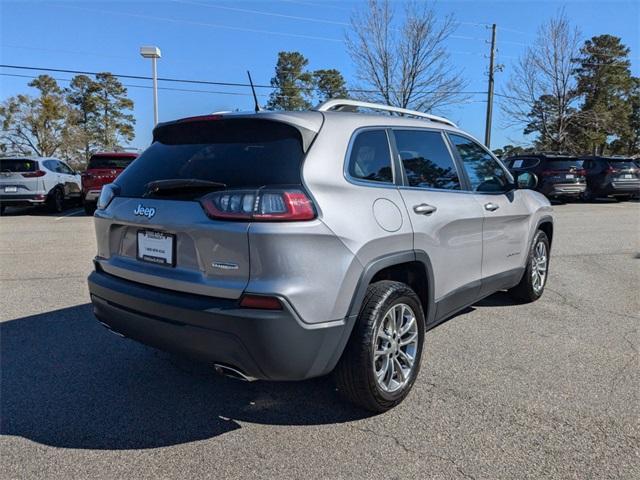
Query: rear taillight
[
  {"x": 108, "y": 193},
  {"x": 548, "y": 173},
  {"x": 37, "y": 173},
  {"x": 582, "y": 172},
  {"x": 262, "y": 302},
  {"x": 259, "y": 205},
  {"x": 610, "y": 169}
]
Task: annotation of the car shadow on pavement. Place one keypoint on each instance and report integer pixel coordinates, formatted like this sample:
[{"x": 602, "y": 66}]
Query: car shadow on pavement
[{"x": 67, "y": 382}]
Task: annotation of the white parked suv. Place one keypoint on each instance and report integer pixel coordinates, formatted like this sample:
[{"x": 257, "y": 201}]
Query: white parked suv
[{"x": 37, "y": 181}]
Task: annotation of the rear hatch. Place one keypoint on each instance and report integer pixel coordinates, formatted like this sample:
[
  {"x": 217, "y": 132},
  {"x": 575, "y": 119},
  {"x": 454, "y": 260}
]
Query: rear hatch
[
  {"x": 622, "y": 171},
  {"x": 20, "y": 176},
  {"x": 182, "y": 210},
  {"x": 564, "y": 170},
  {"x": 103, "y": 169}
]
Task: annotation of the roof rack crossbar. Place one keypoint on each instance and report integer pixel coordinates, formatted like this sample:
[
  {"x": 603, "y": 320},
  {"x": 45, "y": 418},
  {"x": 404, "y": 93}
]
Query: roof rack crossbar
[{"x": 341, "y": 104}]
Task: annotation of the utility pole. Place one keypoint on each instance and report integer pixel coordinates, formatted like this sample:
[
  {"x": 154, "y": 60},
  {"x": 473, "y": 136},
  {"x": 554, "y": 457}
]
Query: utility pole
[{"x": 487, "y": 128}]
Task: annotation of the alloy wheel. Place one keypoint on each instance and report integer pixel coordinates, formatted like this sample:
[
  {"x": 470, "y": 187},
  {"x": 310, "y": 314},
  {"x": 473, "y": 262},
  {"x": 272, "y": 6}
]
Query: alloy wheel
[
  {"x": 395, "y": 346},
  {"x": 539, "y": 267}
]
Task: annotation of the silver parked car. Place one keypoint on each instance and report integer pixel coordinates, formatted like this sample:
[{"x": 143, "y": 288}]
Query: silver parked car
[
  {"x": 288, "y": 245},
  {"x": 37, "y": 181}
]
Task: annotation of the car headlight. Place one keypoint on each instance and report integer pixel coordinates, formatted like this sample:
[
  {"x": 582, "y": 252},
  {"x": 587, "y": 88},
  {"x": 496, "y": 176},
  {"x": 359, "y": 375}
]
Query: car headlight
[{"x": 107, "y": 194}]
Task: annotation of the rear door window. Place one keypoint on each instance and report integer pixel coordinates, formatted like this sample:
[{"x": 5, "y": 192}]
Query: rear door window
[
  {"x": 426, "y": 159},
  {"x": 370, "y": 157},
  {"x": 17, "y": 165},
  {"x": 239, "y": 153}
]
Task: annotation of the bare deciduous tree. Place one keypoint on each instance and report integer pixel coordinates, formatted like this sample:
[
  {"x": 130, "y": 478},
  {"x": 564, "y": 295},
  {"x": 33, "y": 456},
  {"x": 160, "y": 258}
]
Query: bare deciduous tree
[
  {"x": 406, "y": 66},
  {"x": 541, "y": 93}
]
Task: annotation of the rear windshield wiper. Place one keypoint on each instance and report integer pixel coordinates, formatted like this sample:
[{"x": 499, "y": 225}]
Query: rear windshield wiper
[{"x": 180, "y": 186}]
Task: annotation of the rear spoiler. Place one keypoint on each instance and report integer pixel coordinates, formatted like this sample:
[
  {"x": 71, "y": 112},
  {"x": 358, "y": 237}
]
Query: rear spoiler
[{"x": 307, "y": 125}]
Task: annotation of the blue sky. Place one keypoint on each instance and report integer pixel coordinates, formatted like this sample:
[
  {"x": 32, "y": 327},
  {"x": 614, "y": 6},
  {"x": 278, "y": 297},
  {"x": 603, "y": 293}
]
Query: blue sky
[{"x": 220, "y": 40}]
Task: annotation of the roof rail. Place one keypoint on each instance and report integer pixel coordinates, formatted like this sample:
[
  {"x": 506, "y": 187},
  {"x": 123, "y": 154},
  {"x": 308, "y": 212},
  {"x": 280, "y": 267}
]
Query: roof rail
[{"x": 342, "y": 104}]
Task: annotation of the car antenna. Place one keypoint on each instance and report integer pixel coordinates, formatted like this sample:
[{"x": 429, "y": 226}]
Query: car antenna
[{"x": 255, "y": 97}]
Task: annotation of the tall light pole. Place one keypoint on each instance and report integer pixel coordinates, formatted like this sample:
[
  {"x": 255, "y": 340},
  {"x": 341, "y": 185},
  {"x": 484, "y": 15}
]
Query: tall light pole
[{"x": 154, "y": 54}]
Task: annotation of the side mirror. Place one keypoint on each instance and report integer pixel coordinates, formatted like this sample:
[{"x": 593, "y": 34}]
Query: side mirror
[{"x": 527, "y": 180}]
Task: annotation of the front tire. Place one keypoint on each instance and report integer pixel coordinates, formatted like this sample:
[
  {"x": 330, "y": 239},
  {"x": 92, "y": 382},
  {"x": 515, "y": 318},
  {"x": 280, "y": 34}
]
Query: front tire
[
  {"x": 534, "y": 279},
  {"x": 382, "y": 358}
]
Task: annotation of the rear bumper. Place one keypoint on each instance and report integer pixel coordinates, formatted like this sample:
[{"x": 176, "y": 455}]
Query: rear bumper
[
  {"x": 92, "y": 195},
  {"x": 23, "y": 199},
  {"x": 564, "y": 189},
  {"x": 622, "y": 188},
  {"x": 271, "y": 345}
]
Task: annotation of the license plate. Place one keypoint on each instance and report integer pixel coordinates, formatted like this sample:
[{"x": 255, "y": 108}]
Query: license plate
[
  {"x": 627, "y": 175},
  {"x": 156, "y": 247},
  {"x": 10, "y": 189},
  {"x": 570, "y": 175}
]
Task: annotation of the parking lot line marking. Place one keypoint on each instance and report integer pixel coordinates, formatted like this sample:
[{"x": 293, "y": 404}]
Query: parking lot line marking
[{"x": 70, "y": 214}]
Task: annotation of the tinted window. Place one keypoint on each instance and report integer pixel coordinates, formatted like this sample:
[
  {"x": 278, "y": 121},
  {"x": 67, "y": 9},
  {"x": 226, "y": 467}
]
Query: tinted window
[
  {"x": 484, "y": 171},
  {"x": 239, "y": 153},
  {"x": 104, "y": 161},
  {"x": 64, "y": 168},
  {"x": 51, "y": 165},
  {"x": 622, "y": 163},
  {"x": 426, "y": 159},
  {"x": 17, "y": 165},
  {"x": 564, "y": 164},
  {"x": 370, "y": 158},
  {"x": 523, "y": 163}
]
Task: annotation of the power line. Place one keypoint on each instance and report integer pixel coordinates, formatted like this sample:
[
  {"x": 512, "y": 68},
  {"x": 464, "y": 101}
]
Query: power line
[
  {"x": 260, "y": 12},
  {"x": 201, "y": 24},
  {"x": 204, "y": 82},
  {"x": 145, "y": 86}
]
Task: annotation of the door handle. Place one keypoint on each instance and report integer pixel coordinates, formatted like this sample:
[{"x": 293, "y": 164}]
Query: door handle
[
  {"x": 424, "y": 209},
  {"x": 492, "y": 207}
]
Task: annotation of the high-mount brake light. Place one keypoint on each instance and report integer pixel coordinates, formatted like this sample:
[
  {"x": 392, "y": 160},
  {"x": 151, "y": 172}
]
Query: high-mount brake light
[
  {"x": 201, "y": 118},
  {"x": 37, "y": 173},
  {"x": 273, "y": 205}
]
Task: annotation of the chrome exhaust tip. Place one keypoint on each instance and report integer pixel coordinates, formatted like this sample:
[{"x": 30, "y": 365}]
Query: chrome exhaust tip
[{"x": 231, "y": 372}]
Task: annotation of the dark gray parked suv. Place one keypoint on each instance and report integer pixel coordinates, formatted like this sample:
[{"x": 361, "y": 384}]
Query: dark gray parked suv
[{"x": 288, "y": 245}]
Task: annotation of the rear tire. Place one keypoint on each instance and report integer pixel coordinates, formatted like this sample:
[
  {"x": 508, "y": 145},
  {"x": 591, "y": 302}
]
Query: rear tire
[
  {"x": 361, "y": 375},
  {"x": 89, "y": 208},
  {"x": 587, "y": 195},
  {"x": 55, "y": 202},
  {"x": 534, "y": 279}
]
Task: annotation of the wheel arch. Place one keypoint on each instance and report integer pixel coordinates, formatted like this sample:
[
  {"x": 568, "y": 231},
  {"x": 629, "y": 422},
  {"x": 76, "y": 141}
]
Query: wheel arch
[
  {"x": 412, "y": 267},
  {"x": 546, "y": 225}
]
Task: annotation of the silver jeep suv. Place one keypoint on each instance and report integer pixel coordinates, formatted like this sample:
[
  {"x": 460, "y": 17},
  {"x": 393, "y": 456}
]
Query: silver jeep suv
[{"x": 288, "y": 245}]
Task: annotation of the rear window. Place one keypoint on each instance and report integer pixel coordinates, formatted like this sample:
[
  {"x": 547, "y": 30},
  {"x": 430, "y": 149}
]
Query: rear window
[
  {"x": 17, "y": 165},
  {"x": 622, "y": 163},
  {"x": 522, "y": 163},
  {"x": 565, "y": 164},
  {"x": 241, "y": 153},
  {"x": 104, "y": 161}
]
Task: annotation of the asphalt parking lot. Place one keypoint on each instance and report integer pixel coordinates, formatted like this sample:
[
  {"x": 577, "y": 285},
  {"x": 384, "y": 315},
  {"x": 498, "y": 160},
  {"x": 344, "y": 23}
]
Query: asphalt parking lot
[{"x": 547, "y": 390}]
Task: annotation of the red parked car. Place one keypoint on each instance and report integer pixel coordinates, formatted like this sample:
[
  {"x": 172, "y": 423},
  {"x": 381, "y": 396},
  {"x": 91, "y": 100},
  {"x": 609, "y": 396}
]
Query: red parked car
[{"x": 103, "y": 168}]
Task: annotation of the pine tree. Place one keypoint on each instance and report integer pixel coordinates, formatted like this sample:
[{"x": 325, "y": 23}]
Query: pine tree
[
  {"x": 329, "y": 84},
  {"x": 83, "y": 99},
  {"x": 113, "y": 122},
  {"x": 604, "y": 80},
  {"x": 293, "y": 85}
]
